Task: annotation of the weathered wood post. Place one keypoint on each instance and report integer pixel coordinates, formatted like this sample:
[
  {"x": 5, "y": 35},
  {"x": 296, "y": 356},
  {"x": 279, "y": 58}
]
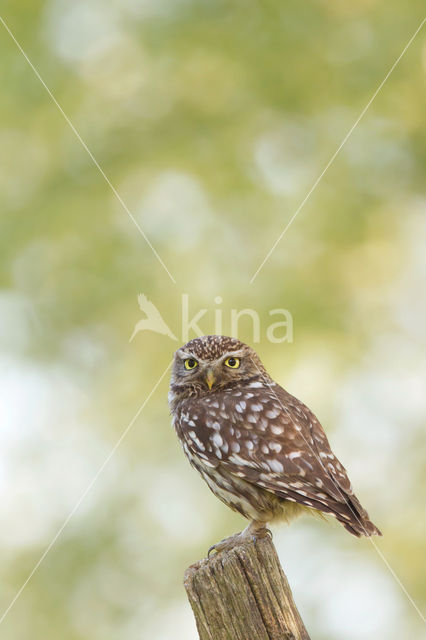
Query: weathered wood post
[{"x": 243, "y": 594}]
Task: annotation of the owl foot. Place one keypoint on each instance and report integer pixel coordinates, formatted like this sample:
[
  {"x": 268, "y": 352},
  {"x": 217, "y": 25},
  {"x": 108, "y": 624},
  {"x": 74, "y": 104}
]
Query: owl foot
[
  {"x": 264, "y": 532},
  {"x": 226, "y": 544},
  {"x": 254, "y": 532}
]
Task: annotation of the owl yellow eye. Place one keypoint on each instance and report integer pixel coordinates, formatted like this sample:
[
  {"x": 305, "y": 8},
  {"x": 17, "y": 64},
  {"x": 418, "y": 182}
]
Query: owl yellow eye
[
  {"x": 190, "y": 363},
  {"x": 232, "y": 363}
]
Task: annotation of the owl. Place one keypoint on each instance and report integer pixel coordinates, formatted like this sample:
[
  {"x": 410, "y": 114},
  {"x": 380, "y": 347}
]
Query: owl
[{"x": 260, "y": 450}]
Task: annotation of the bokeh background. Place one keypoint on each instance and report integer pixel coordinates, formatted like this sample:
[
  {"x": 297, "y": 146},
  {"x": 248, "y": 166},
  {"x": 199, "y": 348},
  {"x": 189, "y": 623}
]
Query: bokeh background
[{"x": 212, "y": 120}]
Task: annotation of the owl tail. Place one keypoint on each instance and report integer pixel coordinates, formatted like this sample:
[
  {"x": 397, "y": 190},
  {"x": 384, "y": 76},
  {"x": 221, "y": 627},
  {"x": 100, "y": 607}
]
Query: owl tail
[{"x": 355, "y": 519}]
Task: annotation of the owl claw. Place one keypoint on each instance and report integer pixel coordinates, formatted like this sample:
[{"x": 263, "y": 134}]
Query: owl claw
[
  {"x": 227, "y": 543},
  {"x": 215, "y": 548},
  {"x": 261, "y": 533}
]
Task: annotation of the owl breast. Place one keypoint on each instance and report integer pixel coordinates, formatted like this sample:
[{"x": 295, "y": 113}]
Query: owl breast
[{"x": 208, "y": 429}]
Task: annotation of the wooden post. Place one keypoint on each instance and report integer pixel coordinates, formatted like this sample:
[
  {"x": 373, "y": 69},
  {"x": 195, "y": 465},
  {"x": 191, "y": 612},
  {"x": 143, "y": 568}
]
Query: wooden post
[{"x": 243, "y": 594}]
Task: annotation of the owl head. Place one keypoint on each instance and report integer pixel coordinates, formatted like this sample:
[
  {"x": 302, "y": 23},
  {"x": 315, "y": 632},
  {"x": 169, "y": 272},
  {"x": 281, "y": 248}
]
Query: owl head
[{"x": 210, "y": 363}]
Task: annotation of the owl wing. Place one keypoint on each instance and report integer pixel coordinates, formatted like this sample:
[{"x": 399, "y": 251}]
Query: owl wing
[{"x": 271, "y": 439}]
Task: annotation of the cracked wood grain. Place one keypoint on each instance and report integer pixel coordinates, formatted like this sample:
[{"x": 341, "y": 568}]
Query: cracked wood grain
[{"x": 243, "y": 594}]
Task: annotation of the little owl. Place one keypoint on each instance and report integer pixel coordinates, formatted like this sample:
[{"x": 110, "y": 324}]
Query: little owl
[{"x": 260, "y": 450}]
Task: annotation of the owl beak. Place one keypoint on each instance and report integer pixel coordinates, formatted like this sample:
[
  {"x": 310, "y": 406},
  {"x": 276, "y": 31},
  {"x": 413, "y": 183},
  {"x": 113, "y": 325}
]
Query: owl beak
[{"x": 210, "y": 378}]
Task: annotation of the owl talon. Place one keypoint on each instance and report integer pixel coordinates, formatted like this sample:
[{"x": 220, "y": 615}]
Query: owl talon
[
  {"x": 217, "y": 548},
  {"x": 267, "y": 534},
  {"x": 225, "y": 545},
  {"x": 262, "y": 533}
]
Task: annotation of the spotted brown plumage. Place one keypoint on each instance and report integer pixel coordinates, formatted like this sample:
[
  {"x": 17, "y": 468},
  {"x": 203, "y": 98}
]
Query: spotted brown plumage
[{"x": 260, "y": 450}]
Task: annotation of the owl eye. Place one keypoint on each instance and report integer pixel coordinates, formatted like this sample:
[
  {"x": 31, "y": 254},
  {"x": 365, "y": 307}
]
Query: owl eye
[
  {"x": 232, "y": 363},
  {"x": 190, "y": 363}
]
